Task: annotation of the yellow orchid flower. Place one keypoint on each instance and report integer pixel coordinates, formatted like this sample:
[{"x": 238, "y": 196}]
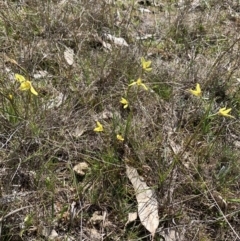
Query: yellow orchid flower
[
  {"x": 224, "y": 112},
  {"x": 146, "y": 64},
  {"x": 99, "y": 127},
  {"x": 124, "y": 102},
  {"x": 138, "y": 82},
  {"x": 20, "y": 78},
  {"x": 120, "y": 138},
  {"x": 197, "y": 92},
  {"x": 25, "y": 84}
]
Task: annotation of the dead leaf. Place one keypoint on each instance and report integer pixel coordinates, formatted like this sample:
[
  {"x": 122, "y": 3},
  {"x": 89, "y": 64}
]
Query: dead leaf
[
  {"x": 106, "y": 115},
  {"x": 53, "y": 235},
  {"x": 147, "y": 203},
  {"x": 81, "y": 168},
  {"x": 131, "y": 217},
  {"x": 97, "y": 218},
  {"x": 144, "y": 10},
  {"x": 40, "y": 74},
  {"x": 115, "y": 40},
  {"x": 68, "y": 55}
]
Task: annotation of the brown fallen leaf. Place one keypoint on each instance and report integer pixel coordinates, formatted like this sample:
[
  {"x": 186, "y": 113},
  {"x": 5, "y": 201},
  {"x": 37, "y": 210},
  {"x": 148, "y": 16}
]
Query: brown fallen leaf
[
  {"x": 147, "y": 203},
  {"x": 69, "y": 56}
]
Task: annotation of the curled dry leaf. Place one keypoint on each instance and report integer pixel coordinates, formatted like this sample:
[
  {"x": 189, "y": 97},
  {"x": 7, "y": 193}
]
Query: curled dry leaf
[
  {"x": 97, "y": 218},
  {"x": 100, "y": 218},
  {"x": 81, "y": 168},
  {"x": 147, "y": 203},
  {"x": 116, "y": 40}
]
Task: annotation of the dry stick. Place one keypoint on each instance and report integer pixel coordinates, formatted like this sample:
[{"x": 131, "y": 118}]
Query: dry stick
[{"x": 19, "y": 164}]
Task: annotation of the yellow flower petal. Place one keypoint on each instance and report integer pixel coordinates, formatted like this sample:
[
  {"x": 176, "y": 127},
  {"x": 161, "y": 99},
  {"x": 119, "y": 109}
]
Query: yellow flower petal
[
  {"x": 124, "y": 102},
  {"x": 138, "y": 82},
  {"x": 20, "y": 78},
  {"x": 120, "y": 138},
  {"x": 99, "y": 127},
  {"x": 224, "y": 112},
  {"x": 26, "y": 85},
  {"x": 133, "y": 83},
  {"x": 146, "y": 64},
  {"x": 33, "y": 91},
  {"x": 144, "y": 86},
  {"x": 197, "y": 92}
]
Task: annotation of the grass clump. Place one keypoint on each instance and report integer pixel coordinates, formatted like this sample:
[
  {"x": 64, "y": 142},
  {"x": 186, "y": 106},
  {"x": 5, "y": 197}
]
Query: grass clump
[{"x": 87, "y": 87}]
